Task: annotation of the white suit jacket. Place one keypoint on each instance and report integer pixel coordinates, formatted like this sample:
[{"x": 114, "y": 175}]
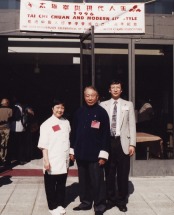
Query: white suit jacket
[{"x": 127, "y": 123}]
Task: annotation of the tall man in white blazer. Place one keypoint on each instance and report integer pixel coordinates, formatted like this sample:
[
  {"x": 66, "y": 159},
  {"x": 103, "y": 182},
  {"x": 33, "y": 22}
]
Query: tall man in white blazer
[{"x": 123, "y": 143}]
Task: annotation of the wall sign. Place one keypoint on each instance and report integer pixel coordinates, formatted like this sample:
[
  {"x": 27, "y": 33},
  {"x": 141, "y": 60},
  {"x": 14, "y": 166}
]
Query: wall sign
[{"x": 49, "y": 16}]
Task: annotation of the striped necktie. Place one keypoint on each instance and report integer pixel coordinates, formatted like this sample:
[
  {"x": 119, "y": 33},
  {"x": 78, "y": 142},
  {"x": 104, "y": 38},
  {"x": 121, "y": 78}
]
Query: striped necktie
[{"x": 114, "y": 120}]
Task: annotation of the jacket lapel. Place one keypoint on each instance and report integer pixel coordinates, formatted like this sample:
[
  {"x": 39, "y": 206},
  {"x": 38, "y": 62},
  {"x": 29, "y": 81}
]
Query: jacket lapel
[{"x": 107, "y": 106}]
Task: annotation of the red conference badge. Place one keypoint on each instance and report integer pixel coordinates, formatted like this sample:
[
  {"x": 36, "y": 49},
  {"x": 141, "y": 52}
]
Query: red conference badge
[
  {"x": 56, "y": 128},
  {"x": 95, "y": 124}
]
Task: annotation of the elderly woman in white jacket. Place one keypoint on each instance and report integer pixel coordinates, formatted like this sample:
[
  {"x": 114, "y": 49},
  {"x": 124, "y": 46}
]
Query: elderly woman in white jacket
[{"x": 54, "y": 143}]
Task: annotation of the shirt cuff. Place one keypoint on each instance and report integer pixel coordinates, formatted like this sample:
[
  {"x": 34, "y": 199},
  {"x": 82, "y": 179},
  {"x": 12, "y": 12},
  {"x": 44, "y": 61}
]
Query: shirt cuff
[
  {"x": 103, "y": 154},
  {"x": 133, "y": 146},
  {"x": 71, "y": 151},
  {"x": 42, "y": 147}
]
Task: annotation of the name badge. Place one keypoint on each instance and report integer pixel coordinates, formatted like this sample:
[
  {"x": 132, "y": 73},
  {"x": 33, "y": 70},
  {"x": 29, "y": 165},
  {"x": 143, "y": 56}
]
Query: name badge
[
  {"x": 95, "y": 124},
  {"x": 56, "y": 128}
]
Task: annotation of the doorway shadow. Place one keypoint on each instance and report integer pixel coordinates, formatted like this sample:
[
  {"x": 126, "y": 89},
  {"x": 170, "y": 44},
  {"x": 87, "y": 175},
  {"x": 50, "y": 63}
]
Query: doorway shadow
[
  {"x": 72, "y": 192},
  {"x": 8, "y": 167},
  {"x": 5, "y": 180}
]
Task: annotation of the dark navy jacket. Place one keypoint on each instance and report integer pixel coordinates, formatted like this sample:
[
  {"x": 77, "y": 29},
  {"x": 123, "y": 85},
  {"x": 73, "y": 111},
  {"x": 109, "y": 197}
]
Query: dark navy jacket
[{"x": 87, "y": 141}]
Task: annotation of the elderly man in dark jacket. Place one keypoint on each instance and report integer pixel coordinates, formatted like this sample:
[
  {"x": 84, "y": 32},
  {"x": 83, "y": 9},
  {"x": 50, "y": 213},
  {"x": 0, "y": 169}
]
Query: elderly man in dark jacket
[{"x": 90, "y": 146}]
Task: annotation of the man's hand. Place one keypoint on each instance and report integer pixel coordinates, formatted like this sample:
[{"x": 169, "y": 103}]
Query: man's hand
[
  {"x": 131, "y": 150},
  {"x": 72, "y": 157},
  {"x": 101, "y": 161}
]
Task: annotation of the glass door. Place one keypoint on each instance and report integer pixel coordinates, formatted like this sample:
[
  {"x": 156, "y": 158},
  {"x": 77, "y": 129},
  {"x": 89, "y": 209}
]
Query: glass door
[
  {"x": 154, "y": 98},
  {"x": 111, "y": 62},
  {"x": 103, "y": 59},
  {"x": 154, "y": 108}
]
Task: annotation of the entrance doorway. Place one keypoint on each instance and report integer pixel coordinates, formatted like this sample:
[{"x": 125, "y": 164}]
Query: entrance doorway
[
  {"x": 154, "y": 98},
  {"x": 142, "y": 74},
  {"x": 147, "y": 71},
  {"x": 36, "y": 78}
]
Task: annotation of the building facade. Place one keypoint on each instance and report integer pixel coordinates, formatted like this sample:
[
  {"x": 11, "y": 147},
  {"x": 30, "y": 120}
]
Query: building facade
[{"x": 38, "y": 66}]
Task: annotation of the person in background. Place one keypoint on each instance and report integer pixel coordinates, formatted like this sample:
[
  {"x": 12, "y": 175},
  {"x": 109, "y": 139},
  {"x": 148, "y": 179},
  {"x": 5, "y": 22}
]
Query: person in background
[
  {"x": 145, "y": 117},
  {"x": 16, "y": 149},
  {"x": 90, "y": 146},
  {"x": 123, "y": 142},
  {"x": 54, "y": 143},
  {"x": 5, "y": 115},
  {"x": 28, "y": 118}
]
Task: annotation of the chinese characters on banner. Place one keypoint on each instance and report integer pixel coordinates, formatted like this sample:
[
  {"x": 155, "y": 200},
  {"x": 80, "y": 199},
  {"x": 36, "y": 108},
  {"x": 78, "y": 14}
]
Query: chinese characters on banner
[{"x": 48, "y": 16}]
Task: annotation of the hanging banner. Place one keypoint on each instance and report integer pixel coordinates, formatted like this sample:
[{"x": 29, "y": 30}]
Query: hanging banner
[{"x": 49, "y": 16}]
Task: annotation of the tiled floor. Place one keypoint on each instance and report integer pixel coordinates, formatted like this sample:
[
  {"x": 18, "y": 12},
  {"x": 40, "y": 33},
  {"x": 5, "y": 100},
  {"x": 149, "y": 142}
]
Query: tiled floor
[{"x": 25, "y": 195}]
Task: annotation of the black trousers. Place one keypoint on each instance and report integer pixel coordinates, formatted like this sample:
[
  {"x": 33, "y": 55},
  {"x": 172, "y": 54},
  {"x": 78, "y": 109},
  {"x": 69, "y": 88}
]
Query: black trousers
[
  {"x": 55, "y": 186},
  {"x": 117, "y": 170},
  {"x": 92, "y": 185}
]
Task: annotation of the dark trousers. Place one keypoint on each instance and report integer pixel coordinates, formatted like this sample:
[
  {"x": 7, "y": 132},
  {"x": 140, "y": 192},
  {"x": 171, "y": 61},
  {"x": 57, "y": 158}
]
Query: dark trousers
[
  {"x": 92, "y": 185},
  {"x": 55, "y": 186},
  {"x": 118, "y": 166}
]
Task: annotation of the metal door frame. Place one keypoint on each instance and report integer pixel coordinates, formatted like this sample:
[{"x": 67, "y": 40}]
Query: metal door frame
[{"x": 89, "y": 35}]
